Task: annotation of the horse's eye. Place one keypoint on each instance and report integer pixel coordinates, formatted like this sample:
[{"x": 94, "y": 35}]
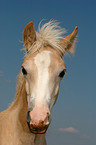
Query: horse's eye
[
  {"x": 24, "y": 71},
  {"x": 62, "y": 74}
]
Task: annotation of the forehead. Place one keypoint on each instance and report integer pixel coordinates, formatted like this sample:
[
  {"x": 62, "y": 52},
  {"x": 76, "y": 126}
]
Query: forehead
[{"x": 44, "y": 58}]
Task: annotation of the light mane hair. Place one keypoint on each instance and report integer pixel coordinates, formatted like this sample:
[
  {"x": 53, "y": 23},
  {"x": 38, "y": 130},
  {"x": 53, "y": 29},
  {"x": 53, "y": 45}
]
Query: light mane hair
[
  {"x": 19, "y": 87},
  {"x": 48, "y": 34}
]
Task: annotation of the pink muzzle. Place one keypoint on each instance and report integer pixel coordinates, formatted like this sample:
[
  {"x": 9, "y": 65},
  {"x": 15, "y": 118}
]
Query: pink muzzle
[{"x": 38, "y": 119}]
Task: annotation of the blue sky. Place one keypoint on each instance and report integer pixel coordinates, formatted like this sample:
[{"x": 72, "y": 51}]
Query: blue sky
[{"x": 74, "y": 115}]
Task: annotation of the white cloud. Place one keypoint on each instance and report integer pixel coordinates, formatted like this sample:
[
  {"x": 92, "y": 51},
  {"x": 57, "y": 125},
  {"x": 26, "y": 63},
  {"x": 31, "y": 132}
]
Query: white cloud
[{"x": 69, "y": 129}]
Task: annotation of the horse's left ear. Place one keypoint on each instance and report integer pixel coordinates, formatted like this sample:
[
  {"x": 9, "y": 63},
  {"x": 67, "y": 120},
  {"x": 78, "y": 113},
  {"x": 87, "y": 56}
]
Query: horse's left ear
[
  {"x": 29, "y": 35},
  {"x": 68, "y": 42}
]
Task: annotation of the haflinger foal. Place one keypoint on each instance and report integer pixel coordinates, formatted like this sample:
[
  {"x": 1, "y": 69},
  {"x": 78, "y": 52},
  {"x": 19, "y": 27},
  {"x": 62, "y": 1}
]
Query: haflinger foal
[{"x": 26, "y": 121}]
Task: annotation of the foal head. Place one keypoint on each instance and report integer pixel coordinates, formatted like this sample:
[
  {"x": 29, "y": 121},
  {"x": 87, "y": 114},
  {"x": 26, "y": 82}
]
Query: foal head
[{"x": 43, "y": 69}]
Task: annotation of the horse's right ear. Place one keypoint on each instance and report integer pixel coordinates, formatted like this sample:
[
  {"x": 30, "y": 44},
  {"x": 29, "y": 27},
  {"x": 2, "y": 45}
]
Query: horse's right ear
[{"x": 29, "y": 35}]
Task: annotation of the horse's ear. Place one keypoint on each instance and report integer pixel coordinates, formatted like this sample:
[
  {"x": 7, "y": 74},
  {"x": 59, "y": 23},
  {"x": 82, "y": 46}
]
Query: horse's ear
[
  {"x": 68, "y": 42},
  {"x": 29, "y": 35}
]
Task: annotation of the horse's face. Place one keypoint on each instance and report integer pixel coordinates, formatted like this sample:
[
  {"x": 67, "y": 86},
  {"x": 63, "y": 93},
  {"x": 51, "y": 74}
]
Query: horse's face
[
  {"x": 43, "y": 72},
  {"x": 43, "y": 69}
]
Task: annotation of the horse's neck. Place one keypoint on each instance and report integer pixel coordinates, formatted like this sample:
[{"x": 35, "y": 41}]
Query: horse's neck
[{"x": 20, "y": 105}]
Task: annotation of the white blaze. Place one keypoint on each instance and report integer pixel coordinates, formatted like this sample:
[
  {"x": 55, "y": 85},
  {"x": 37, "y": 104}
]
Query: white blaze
[{"x": 42, "y": 93}]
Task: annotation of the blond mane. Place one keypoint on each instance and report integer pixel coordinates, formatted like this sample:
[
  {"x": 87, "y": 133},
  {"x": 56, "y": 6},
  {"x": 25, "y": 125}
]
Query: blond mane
[
  {"x": 19, "y": 87},
  {"x": 48, "y": 34}
]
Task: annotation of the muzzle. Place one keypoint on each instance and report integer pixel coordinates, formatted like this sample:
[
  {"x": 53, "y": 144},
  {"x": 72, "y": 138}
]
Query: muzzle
[{"x": 40, "y": 125}]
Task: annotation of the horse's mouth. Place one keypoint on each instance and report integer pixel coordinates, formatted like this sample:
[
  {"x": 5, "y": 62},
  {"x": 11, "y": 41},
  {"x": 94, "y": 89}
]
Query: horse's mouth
[{"x": 37, "y": 130}]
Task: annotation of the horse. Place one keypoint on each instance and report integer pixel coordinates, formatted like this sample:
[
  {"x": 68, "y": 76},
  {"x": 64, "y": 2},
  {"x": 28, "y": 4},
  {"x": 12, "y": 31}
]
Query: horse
[{"x": 26, "y": 120}]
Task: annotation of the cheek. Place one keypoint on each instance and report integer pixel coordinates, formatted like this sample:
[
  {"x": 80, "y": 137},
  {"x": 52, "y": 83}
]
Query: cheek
[
  {"x": 27, "y": 88},
  {"x": 28, "y": 92},
  {"x": 56, "y": 94},
  {"x": 54, "y": 97},
  {"x": 56, "y": 90},
  {"x": 30, "y": 87}
]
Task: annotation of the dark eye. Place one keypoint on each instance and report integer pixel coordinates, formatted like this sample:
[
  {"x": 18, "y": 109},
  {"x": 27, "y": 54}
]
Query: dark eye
[
  {"x": 24, "y": 71},
  {"x": 62, "y": 74}
]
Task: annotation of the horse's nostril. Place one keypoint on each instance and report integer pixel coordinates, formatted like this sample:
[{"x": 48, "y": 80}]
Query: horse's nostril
[
  {"x": 49, "y": 116},
  {"x": 28, "y": 118},
  {"x": 47, "y": 119}
]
